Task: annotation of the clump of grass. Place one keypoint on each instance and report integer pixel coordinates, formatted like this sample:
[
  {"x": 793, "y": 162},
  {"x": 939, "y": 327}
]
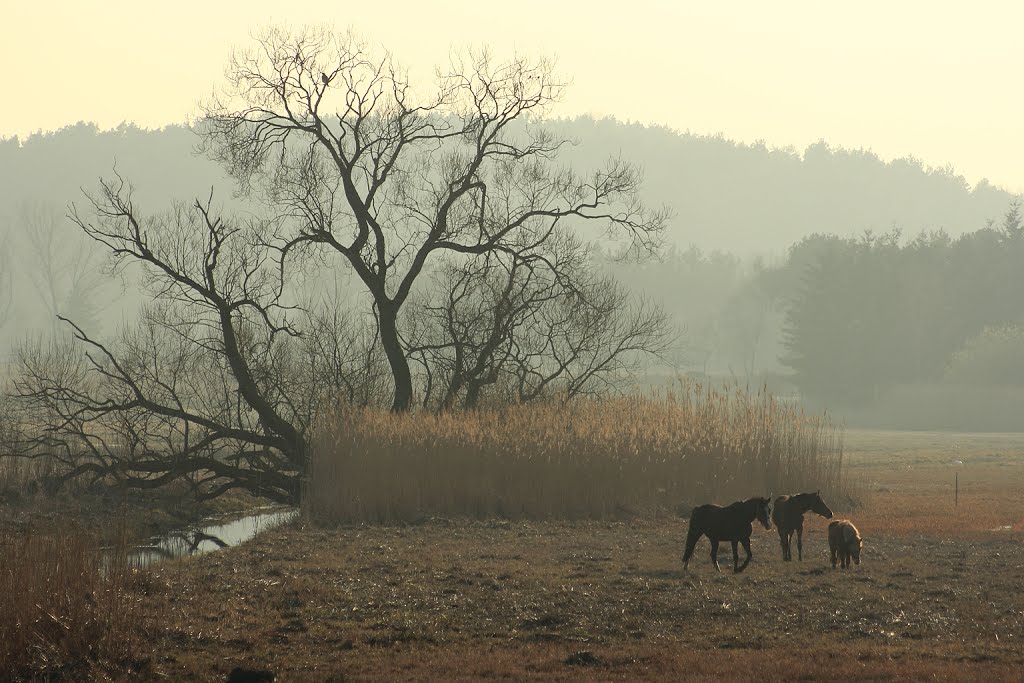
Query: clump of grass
[
  {"x": 583, "y": 459},
  {"x": 65, "y": 611}
]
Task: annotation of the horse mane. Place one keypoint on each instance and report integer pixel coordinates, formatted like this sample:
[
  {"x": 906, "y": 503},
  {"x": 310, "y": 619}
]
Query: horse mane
[
  {"x": 804, "y": 500},
  {"x": 749, "y": 501}
]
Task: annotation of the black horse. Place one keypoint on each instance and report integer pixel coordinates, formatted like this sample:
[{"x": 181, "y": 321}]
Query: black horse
[
  {"x": 731, "y": 523},
  {"x": 788, "y": 516}
]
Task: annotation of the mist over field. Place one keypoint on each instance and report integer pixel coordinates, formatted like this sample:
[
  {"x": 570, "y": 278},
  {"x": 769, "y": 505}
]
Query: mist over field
[{"x": 878, "y": 290}]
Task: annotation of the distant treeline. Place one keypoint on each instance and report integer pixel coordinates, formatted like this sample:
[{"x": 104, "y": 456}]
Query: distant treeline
[
  {"x": 875, "y": 312},
  {"x": 746, "y": 199},
  {"x": 848, "y": 274},
  {"x": 852, "y": 323}
]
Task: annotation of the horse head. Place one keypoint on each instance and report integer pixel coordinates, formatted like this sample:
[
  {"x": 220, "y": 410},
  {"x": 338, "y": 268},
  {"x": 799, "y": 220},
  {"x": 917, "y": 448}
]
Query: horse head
[
  {"x": 856, "y": 545},
  {"x": 818, "y": 505},
  {"x": 764, "y": 511}
]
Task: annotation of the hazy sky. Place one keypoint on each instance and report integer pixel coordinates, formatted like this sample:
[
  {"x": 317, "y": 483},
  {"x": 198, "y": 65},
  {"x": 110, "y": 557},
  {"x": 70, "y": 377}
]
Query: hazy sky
[{"x": 937, "y": 80}]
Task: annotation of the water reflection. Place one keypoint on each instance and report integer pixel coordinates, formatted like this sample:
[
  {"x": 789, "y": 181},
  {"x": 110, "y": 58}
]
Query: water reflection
[{"x": 198, "y": 540}]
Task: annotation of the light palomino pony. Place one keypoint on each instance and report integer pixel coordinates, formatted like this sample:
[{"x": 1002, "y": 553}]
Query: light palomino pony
[{"x": 844, "y": 542}]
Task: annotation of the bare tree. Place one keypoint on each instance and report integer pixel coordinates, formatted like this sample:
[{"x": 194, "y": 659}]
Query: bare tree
[
  {"x": 64, "y": 268},
  {"x": 337, "y": 142},
  {"x": 221, "y": 380},
  {"x": 529, "y": 324},
  {"x": 589, "y": 342},
  {"x": 213, "y": 386}
]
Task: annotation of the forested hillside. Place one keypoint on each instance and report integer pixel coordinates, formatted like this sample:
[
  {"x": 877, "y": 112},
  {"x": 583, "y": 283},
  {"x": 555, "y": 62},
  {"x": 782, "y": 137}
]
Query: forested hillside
[
  {"x": 848, "y": 273},
  {"x": 746, "y": 199}
]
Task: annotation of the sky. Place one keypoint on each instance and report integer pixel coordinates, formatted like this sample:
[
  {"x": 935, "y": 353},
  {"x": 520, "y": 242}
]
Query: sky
[{"x": 936, "y": 80}]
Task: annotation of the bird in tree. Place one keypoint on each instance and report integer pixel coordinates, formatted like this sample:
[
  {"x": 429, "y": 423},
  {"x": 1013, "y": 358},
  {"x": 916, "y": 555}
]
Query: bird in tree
[{"x": 324, "y": 78}]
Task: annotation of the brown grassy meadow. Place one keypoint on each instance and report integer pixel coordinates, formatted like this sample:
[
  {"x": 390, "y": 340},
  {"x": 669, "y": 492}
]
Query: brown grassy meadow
[
  {"x": 600, "y": 594},
  {"x": 937, "y": 596}
]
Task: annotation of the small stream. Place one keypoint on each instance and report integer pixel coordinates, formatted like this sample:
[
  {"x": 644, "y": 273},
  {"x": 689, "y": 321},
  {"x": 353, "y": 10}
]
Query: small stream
[{"x": 199, "y": 539}]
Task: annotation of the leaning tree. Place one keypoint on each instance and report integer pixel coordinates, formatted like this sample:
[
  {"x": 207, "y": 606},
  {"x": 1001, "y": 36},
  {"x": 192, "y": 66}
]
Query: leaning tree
[
  {"x": 212, "y": 385},
  {"x": 336, "y": 142}
]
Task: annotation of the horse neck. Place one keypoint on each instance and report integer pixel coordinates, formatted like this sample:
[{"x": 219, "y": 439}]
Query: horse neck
[
  {"x": 750, "y": 509},
  {"x": 803, "y": 503}
]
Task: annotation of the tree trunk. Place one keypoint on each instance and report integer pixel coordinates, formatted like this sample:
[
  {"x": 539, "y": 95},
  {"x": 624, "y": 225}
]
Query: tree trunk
[{"x": 388, "y": 321}]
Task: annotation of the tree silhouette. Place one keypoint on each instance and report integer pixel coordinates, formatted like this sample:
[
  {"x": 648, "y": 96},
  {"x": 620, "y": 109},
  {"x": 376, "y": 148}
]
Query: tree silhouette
[{"x": 391, "y": 182}]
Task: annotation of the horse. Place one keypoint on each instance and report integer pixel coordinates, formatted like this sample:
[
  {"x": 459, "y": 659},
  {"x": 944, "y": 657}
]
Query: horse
[
  {"x": 731, "y": 523},
  {"x": 844, "y": 540},
  {"x": 788, "y": 516}
]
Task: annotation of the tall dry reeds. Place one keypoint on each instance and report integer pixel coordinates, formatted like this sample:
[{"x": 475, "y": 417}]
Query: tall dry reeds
[
  {"x": 583, "y": 459},
  {"x": 65, "y": 612}
]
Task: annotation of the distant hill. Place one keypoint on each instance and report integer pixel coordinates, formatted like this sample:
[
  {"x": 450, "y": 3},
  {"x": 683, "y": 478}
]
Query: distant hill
[
  {"x": 742, "y": 198},
  {"x": 755, "y": 199}
]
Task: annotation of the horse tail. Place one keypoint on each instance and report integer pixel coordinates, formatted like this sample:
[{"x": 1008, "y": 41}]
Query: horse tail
[{"x": 692, "y": 536}]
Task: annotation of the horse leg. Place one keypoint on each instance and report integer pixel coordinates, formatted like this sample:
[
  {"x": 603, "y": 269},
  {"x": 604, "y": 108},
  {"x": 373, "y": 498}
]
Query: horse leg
[
  {"x": 800, "y": 542},
  {"x": 746, "y": 547},
  {"x": 735, "y": 557},
  {"x": 714, "y": 553},
  {"x": 782, "y": 540},
  {"x": 789, "y": 546},
  {"x": 833, "y": 553}
]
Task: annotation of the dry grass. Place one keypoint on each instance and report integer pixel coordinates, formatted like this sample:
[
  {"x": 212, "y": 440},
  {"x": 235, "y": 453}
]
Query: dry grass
[
  {"x": 65, "y": 613},
  {"x": 908, "y": 482},
  {"x": 586, "y": 459},
  {"x": 518, "y": 600},
  {"x": 515, "y": 600}
]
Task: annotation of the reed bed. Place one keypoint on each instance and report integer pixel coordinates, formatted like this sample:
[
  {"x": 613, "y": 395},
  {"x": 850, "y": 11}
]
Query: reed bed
[
  {"x": 586, "y": 459},
  {"x": 67, "y": 609}
]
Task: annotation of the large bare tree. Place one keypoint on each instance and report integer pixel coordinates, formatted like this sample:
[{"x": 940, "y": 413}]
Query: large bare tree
[
  {"x": 220, "y": 381},
  {"x": 352, "y": 158}
]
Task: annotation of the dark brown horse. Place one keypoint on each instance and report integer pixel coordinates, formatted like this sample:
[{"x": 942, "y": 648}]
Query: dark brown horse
[
  {"x": 788, "y": 516},
  {"x": 731, "y": 523}
]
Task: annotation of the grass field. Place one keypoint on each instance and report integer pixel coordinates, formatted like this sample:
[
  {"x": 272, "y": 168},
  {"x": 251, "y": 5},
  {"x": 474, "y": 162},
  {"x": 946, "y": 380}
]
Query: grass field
[{"x": 937, "y": 596}]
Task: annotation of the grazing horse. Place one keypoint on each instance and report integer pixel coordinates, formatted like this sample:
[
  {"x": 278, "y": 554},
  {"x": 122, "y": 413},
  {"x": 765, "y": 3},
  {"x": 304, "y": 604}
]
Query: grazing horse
[
  {"x": 788, "y": 516},
  {"x": 731, "y": 523},
  {"x": 844, "y": 540}
]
